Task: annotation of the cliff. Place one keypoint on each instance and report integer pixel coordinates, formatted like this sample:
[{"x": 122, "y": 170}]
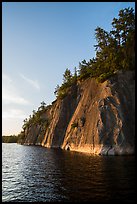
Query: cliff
[{"x": 93, "y": 117}]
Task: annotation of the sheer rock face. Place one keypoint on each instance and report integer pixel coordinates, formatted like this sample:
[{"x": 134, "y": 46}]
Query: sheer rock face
[
  {"x": 94, "y": 117},
  {"x": 61, "y": 114},
  {"x": 34, "y": 134},
  {"x": 105, "y": 117},
  {"x": 31, "y": 134}
]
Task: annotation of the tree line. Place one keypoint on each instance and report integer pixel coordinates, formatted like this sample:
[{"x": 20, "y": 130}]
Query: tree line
[
  {"x": 10, "y": 139},
  {"x": 115, "y": 50}
]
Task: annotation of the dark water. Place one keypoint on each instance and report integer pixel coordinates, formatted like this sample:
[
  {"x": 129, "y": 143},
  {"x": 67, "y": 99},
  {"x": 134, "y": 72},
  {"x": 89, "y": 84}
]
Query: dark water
[{"x": 32, "y": 174}]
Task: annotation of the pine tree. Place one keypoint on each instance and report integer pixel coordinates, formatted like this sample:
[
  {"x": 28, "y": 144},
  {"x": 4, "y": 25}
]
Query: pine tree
[{"x": 67, "y": 76}]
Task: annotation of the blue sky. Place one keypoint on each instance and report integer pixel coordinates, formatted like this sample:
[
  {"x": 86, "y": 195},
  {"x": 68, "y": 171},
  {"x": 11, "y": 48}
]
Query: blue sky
[{"x": 39, "y": 41}]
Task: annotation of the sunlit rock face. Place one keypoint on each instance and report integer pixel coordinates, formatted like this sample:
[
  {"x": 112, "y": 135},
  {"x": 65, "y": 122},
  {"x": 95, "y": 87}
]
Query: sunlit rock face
[
  {"x": 61, "y": 113},
  {"x": 94, "y": 117},
  {"x": 105, "y": 117}
]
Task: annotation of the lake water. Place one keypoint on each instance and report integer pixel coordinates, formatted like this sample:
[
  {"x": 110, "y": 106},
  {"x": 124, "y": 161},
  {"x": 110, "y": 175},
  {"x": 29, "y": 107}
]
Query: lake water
[{"x": 34, "y": 174}]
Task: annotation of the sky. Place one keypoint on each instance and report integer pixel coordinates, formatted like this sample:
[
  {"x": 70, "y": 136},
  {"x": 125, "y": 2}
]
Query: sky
[{"x": 39, "y": 41}]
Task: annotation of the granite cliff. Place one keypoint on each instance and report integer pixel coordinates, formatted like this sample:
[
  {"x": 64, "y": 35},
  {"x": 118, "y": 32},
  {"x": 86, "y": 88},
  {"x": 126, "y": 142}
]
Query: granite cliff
[
  {"x": 95, "y": 107},
  {"x": 93, "y": 117}
]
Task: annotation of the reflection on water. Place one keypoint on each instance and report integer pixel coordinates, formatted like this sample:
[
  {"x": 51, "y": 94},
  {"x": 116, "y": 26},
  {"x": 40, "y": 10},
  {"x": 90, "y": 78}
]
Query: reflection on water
[{"x": 32, "y": 173}]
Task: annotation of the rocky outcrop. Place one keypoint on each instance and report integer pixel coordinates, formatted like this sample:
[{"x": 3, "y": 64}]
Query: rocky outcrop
[
  {"x": 104, "y": 117},
  {"x": 34, "y": 133},
  {"x": 94, "y": 117},
  {"x": 61, "y": 113}
]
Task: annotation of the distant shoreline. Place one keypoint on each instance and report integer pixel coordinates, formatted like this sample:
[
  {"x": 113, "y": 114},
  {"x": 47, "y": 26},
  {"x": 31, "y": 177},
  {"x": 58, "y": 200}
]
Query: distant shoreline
[{"x": 9, "y": 139}]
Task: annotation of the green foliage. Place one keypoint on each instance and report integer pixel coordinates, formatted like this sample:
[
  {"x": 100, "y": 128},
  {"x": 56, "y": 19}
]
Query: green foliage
[
  {"x": 67, "y": 77},
  {"x": 104, "y": 76},
  {"x": 115, "y": 50},
  {"x": 21, "y": 137},
  {"x": 61, "y": 91},
  {"x": 68, "y": 80},
  {"x": 42, "y": 108},
  {"x": 124, "y": 25},
  {"x": 84, "y": 71},
  {"x": 56, "y": 90},
  {"x": 9, "y": 139},
  {"x": 37, "y": 117},
  {"x": 73, "y": 125}
]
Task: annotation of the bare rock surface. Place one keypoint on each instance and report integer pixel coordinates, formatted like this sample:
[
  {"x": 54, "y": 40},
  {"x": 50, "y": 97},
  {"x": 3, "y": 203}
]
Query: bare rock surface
[{"x": 96, "y": 118}]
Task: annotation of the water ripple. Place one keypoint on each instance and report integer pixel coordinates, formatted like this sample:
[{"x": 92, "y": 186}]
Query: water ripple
[{"x": 34, "y": 174}]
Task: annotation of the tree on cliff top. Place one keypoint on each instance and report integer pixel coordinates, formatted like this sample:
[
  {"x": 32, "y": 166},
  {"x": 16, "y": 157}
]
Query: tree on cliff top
[
  {"x": 42, "y": 107},
  {"x": 115, "y": 50},
  {"x": 112, "y": 48},
  {"x": 67, "y": 77}
]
